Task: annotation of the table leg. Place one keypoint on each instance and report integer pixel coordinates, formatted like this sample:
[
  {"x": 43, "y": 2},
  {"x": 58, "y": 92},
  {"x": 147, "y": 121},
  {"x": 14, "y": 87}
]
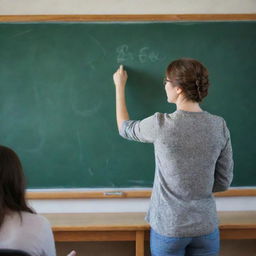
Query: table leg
[{"x": 139, "y": 243}]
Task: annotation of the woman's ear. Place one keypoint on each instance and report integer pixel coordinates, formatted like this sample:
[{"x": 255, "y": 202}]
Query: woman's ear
[{"x": 178, "y": 90}]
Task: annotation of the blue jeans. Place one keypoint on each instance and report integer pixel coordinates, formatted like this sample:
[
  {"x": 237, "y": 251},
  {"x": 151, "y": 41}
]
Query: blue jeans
[{"x": 206, "y": 245}]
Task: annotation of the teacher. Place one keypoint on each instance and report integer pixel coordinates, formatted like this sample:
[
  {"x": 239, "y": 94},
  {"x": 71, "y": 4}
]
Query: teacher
[{"x": 193, "y": 159}]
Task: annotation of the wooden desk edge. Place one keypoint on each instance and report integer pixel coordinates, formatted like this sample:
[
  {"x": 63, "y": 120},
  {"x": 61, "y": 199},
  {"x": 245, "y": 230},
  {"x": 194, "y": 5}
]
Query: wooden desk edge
[
  {"x": 128, "y": 17},
  {"x": 135, "y": 221},
  {"x": 99, "y": 228},
  {"x": 145, "y": 228},
  {"x": 130, "y": 232},
  {"x": 31, "y": 195}
]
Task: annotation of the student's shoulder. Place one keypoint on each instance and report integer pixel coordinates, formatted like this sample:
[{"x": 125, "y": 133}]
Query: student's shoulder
[{"x": 36, "y": 220}]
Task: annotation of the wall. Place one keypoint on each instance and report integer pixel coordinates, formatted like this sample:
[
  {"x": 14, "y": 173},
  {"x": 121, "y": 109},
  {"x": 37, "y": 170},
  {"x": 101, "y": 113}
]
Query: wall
[
  {"x": 125, "y": 6},
  {"x": 15, "y": 7},
  {"x": 129, "y": 204}
]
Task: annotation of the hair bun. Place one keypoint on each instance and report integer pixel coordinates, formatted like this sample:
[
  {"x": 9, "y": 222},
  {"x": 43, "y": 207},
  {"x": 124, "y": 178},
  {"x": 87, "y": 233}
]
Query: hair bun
[{"x": 191, "y": 76}]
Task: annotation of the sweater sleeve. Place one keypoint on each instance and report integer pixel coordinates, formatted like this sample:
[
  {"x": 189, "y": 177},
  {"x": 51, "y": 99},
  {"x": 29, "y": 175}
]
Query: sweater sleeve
[
  {"x": 140, "y": 130},
  {"x": 224, "y": 166}
]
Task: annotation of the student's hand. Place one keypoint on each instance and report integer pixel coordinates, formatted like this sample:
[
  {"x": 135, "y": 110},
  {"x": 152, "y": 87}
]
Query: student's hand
[
  {"x": 72, "y": 253},
  {"x": 120, "y": 77}
]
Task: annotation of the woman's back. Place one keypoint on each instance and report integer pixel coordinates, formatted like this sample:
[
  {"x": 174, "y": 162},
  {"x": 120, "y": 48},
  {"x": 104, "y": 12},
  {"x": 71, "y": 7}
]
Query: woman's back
[
  {"x": 28, "y": 232},
  {"x": 193, "y": 158},
  {"x": 188, "y": 146}
]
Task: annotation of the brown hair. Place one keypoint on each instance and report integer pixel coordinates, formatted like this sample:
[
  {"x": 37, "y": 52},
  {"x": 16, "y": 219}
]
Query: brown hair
[
  {"x": 191, "y": 76},
  {"x": 12, "y": 184}
]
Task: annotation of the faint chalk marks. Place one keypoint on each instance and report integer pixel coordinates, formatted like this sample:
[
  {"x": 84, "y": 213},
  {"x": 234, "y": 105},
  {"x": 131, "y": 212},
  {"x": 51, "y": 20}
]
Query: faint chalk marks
[
  {"x": 21, "y": 33},
  {"x": 91, "y": 65},
  {"x": 40, "y": 143},
  {"x": 137, "y": 182},
  {"x": 90, "y": 171},
  {"x": 99, "y": 49},
  {"x": 92, "y": 54},
  {"x": 107, "y": 162},
  {"x": 78, "y": 136},
  {"x": 34, "y": 129},
  {"x": 111, "y": 183},
  {"x": 88, "y": 110},
  {"x": 98, "y": 43},
  {"x": 36, "y": 94},
  {"x": 81, "y": 154}
]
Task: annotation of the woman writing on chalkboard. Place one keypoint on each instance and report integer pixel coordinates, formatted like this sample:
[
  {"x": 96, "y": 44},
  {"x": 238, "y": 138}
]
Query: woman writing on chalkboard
[{"x": 193, "y": 159}]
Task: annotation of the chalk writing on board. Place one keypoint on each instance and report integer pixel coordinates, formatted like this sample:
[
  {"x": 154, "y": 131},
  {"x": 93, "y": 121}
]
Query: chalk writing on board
[
  {"x": 123, "y": 54},
  {"x": 144, "y": 55}
]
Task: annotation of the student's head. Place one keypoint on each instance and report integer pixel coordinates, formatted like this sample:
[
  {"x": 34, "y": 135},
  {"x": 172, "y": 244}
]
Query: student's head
[
  {"x": 12, "y": 184},
  {"x": 186, "y": 80}
]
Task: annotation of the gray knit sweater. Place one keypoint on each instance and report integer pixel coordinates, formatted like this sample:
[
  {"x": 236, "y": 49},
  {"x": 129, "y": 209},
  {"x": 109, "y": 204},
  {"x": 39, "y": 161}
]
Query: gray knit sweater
[{"x": 193, "y": 158}]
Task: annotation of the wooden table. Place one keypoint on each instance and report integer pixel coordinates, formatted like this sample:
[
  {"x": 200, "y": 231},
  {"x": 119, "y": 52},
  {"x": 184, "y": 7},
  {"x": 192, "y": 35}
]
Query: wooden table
[{"x": 77, "y": 227}]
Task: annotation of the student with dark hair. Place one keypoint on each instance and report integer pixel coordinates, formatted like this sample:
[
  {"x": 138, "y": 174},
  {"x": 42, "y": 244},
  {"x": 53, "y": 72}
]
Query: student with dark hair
[
  {"x": 20, "y": 227},
  {"x": 193, "y": 159}
]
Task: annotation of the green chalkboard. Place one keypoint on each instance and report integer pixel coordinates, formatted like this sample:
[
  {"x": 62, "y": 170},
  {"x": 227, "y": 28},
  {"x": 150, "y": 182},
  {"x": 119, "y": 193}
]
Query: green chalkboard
[{"x": 57, "y": 98}]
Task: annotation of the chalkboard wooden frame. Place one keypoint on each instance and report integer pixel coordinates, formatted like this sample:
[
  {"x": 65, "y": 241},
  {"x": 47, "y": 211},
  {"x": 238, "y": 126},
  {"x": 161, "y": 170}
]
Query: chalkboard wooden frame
[
  {"x": 122, "y": 193},
  {"x": 132, "y": 17},
  {"x": 141, "y": 17}
]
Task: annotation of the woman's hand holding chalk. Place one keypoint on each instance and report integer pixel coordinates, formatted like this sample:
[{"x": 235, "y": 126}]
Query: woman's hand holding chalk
[{"x": 120, "y": 77}]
